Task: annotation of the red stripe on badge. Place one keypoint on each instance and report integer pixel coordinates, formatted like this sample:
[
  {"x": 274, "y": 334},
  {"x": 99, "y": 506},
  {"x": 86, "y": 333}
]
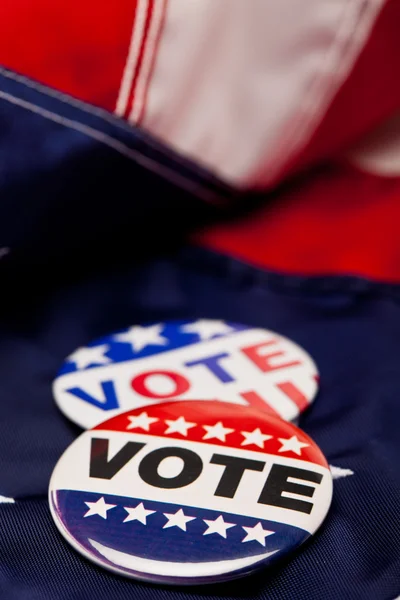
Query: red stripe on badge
[
  {"x": 219, "y": 424},
  {"x": 254, "y": 400},
  {"x": 293, "y": 392}
]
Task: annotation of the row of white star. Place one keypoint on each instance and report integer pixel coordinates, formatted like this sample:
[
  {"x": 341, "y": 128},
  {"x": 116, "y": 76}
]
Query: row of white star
[
  {"x": 178, "y": 519},
  {"x": 140, "y": 337},
  {"x": 217, "y": 431}
]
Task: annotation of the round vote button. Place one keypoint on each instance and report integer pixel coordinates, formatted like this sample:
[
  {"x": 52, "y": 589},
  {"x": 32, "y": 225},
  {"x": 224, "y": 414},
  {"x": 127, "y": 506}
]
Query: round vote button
[
  {"x": 190, "y": 492},
  {"x": 205, "y": 359}
]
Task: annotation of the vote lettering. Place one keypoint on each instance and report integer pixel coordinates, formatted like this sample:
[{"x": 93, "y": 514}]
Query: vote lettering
[
  {"x": 276, "y": 484},
  {"x": 265, "y": 357}
]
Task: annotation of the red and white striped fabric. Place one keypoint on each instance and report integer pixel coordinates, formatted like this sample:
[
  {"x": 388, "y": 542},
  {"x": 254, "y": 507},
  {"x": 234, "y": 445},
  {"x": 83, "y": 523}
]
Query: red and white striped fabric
[
  {"x": 146, "y": 31},
  {"x": 242, "y": 88},
  {"x": 255, "y": 91},
  {"x": 341, "y": 217}
]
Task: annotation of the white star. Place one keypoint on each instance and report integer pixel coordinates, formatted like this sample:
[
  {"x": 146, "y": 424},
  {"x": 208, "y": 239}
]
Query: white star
[
  {"x": 218, "y": 526},
  {"x": 100, "y": 507},
  {"x": 139, "y": 337},
  {"x": 256, "y": 534},
  {"x": 179, "y": 426},
  {"x": 255, "y": 437},
  {"x": 139, "y": 513},
  {"x": 142, "y": 421},
  {"x": 292, "y": 444},
  {"x": 5, "y": 499},
  {"x": 179, "y": 519},
  {"x": 338, "y": 472},
  {"x": 216, "y": 431},
  {"x": 83, "y": 357},
  {"x": 207, "y": 328}
]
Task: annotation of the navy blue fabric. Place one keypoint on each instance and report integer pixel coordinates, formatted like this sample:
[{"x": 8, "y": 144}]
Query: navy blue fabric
[
  {"x": 93, "y": 232},
  {"x": 350, "y": 327},
  {"x": 71, "y": 174}
]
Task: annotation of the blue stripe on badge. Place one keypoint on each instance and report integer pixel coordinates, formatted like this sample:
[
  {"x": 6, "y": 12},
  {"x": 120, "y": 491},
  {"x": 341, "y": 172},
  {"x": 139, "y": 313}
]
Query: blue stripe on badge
[{"x": 172, "y": 332}]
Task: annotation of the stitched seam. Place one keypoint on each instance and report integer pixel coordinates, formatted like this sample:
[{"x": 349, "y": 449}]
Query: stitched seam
[
  {"x": 343, "y": 53},
  {"x": 233, "y": 269},
  {"x": 116, "y": 145},
  {"x": 74, "y": 102},
  {"x": 136, "y": 41},
  {"x": 102, "y": 114},
  {"x": 153, "y": 61},
  {"x": 150, "y": 49}
]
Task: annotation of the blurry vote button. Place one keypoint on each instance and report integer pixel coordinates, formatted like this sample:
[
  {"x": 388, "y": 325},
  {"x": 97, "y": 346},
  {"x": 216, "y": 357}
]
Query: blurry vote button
[
  {"x": 181, "y": 360},
  {"x": 190, "y": 492}
]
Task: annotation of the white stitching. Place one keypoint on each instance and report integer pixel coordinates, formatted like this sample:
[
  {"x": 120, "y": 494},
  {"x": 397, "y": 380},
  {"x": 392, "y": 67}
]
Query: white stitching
[
  {"x": 101, "y": 113},
  {"x": 116, "y": 145},
  {"x": 52, "y": 93}
]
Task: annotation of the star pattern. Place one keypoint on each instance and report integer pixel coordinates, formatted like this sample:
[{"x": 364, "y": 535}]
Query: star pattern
[
  {"x": 85, "y": 357},
  {"x": 140, "y": 337},
  {"x": 179, "y": 519},
  {"x": 256, "y": 437},
  {"x": 139, "y": 513},
  {"x": 256, "y": 534},
  {"x": 292, "y": 444},
  {"x": 142, "y": 421},
  {"x": 207, "y": 328},
  {"x": 100, "y": 508},
  {"x": 179, "y": 425},
  {"x": 217, "y": 431},
  {"x": 218, "y": 526}
]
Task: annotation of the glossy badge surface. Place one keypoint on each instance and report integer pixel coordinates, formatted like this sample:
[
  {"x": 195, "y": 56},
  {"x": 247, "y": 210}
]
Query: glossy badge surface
[
  {"x": 181, "y": 360},
  {"x": 190, "y": 492}
]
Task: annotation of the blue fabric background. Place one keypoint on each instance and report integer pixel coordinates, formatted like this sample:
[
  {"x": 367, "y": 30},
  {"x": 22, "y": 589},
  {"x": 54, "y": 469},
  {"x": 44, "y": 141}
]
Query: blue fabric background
[
  {"x": 351, "y": 328},
  {"x": 81, "y": 221}
]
